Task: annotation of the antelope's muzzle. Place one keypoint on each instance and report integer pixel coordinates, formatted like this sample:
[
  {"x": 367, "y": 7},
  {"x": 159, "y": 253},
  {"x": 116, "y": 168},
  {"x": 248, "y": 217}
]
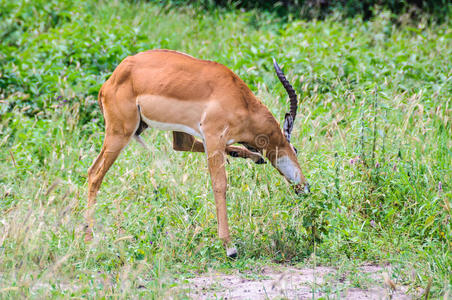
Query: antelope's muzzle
[{"x": 302, "y": 189}]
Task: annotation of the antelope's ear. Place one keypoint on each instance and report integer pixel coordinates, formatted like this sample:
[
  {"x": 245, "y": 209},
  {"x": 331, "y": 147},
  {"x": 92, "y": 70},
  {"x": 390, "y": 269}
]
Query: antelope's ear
[{"x": 288, "y": 126}]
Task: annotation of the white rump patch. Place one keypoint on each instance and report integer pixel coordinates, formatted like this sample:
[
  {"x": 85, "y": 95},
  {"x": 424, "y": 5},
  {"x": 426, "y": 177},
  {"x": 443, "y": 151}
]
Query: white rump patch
[
  {"x": 171, "y": 127},
  {"x": 288, "y": 168}
]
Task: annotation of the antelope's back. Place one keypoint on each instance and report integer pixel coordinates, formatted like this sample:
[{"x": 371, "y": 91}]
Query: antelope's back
[{"x": 175, "y": 75}]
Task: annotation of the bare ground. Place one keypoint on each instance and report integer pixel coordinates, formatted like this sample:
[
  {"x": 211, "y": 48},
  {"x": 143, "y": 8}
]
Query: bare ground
[{"x": 366, "y": 282}]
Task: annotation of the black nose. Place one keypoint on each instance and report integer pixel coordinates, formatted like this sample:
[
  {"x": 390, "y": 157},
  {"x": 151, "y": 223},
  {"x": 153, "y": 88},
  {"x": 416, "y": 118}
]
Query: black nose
[{"x": 300, "y": 190}]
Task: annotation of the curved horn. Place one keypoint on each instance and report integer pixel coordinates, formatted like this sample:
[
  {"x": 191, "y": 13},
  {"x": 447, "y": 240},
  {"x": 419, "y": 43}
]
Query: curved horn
[{"x": 289, "y": 89}]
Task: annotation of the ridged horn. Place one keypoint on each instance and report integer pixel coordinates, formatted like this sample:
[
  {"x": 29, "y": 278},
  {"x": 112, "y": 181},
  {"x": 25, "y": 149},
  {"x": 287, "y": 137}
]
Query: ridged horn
[{"x": 289, "y": 89}]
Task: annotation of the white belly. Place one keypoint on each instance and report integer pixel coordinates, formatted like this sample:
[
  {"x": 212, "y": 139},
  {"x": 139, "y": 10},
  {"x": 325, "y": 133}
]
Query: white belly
[{"x": 172, "y": 127}]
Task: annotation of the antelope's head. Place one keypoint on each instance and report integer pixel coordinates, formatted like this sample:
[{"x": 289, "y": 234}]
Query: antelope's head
[{"x": 285, "y": 158}]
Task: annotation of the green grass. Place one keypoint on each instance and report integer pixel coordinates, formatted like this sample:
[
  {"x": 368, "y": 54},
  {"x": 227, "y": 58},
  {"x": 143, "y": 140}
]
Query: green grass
[{"x": 373, "y": 132}]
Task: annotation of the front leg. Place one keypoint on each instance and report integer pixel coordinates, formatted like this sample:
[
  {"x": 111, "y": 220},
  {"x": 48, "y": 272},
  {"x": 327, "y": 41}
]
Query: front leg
[
  {"x": 235, "y": 151},
  {"x": 186, "y": 142},
  {"x": 215, "y": 158}
]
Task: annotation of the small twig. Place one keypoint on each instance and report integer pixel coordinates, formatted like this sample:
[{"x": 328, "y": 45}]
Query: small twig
[
  {"x": 374, "y": 108},
  {"x": 315, "y": 264},
  {"x": 427, "y": 289},
  {"x": 12, "y": 157},
  {"x": 389, "y": 283},
  {"x": 385, "y": 132},
  {"x": 53, "y": 186},
  {"x": 361, "y": 135},
  {"x": 336, "y": 180}
]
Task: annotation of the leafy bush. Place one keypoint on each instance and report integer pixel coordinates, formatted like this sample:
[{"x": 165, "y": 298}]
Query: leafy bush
[{"x": 439, "y": 9}]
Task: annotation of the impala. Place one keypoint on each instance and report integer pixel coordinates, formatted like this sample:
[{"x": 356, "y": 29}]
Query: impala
[{"x": 193, "y": 98}]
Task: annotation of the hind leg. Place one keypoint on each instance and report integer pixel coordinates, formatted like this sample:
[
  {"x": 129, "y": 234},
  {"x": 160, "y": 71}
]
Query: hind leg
[
  {"x": 121, "y": 122},
  {"x": 113, "y": 145}
]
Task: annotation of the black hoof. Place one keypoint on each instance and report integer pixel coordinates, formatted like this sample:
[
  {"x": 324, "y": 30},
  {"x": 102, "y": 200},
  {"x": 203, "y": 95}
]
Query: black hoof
[
  {"x": 233, "y": 154},
  {"x": 231, "y": 252},
  {"x": 260, "y": 161}
]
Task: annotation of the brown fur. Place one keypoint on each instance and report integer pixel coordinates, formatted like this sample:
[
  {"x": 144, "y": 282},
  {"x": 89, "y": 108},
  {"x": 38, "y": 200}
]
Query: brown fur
[{"x": 171, "y": 87}]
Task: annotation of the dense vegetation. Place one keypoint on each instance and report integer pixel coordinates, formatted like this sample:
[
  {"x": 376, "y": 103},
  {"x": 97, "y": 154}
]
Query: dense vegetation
[
  {"x": 374, "y": 136},
  {"x": 436, "y": 9}
]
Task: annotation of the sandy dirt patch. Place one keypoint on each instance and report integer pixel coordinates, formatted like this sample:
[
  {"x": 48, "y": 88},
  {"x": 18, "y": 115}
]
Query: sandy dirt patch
[{"x": 366, "y": 282}]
